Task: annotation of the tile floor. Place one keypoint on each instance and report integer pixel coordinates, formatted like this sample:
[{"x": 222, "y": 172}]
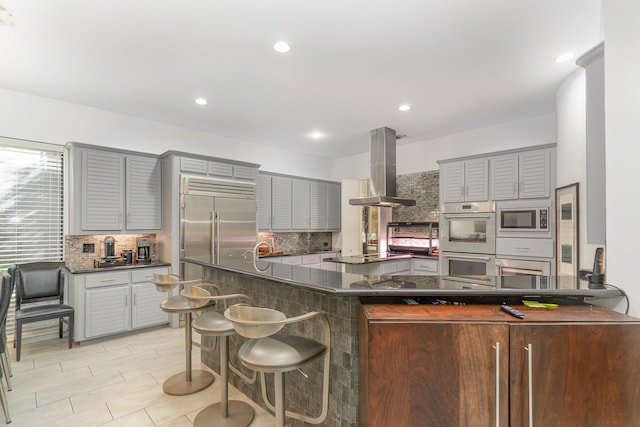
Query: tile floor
[{"x": 113, "y": 382}]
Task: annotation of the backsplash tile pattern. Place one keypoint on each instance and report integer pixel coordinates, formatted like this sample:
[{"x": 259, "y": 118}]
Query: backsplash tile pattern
[
  {"x": 75, "y": 259},
  {"x": 298, "y": 242},
  {"x": 424, "y": 188}
]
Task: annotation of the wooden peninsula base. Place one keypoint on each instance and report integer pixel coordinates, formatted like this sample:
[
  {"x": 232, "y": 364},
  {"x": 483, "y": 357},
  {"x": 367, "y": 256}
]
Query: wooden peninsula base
[{"x": 465, "y": 365}]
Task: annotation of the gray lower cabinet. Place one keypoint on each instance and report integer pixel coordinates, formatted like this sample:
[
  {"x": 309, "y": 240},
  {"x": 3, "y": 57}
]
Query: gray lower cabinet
[
  {"x": 112, "y": 191},
  {"x": 381, "y": 268},
  {"x": 425, "y": 267},
  {"x": 113, "y": 302}
]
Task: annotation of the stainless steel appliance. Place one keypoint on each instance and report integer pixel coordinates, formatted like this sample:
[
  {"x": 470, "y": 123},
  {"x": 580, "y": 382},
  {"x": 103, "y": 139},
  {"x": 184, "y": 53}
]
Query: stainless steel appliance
[
  {"x": 109, "y": 257},
  {"x": 383, "y": 172},
  {"x": 143, "y": 251},
  {"x": 523, "y": 274},
  {"x": 477, "y": 269},
  {"x": 109, "y": 247},
  {"x": 217, "y": 221},
  {"x": 468, "y": 228},
  {"x": 528, "y": 219},
  {"x": 413, "y": 237}
]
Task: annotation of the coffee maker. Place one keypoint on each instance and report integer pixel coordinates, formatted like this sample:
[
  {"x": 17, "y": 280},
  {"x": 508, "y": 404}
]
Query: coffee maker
[
  {"x": 143, "y": 251},
  {"x": 109, "y": 247}
]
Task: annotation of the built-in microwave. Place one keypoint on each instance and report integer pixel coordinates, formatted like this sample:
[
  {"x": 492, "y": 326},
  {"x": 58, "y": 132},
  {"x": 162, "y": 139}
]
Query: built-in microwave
[{"x": 524, "y": 219}]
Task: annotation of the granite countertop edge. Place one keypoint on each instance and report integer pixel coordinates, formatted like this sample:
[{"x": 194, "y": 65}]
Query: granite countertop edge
[{"x": 118, "y": 268}]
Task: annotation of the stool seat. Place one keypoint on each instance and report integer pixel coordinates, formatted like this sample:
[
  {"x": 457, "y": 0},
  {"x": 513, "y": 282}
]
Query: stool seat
[
  {"x": 212, "y": 322},
  {"x": 180, "y": 304},
  {"x": 279, "y": 353}
]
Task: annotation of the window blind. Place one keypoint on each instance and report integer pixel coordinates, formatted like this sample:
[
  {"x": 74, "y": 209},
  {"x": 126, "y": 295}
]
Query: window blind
[{"x": 31, "y": 208}]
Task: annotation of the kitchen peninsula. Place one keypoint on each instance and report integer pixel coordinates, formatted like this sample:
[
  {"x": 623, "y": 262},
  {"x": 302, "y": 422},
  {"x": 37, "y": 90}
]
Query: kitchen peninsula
[{"x": 387, "y": 350}]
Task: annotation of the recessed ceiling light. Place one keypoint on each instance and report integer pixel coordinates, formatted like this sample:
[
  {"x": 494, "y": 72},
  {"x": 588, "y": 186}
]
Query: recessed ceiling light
[
  {"x": 564, "y": 57},
  {"x": 201, "y": 101},
  {"x": 404, "y": 107},
  {"x": 317, "y": 135},
  {"x": 282, "y": 47}
]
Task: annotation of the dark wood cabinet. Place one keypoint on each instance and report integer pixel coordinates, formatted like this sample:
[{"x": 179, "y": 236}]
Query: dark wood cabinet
[
  {"x": 466, "y": 365},
  {"x": 582, "y": 375}
]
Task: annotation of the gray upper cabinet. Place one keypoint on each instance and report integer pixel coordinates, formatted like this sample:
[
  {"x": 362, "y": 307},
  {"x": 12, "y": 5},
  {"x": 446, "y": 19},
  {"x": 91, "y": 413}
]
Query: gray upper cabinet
[
  {"x": 524, "y": 175},
  {"x": 297, "y": 204},
  {"x": 274, "y": 203},
  {"x": 112, "y": 191},
  {"x": 317, "y": 205},
  {"x": 215, "y": 168},
  {"x": 301, "y": 213},
  {"x": 465, "y": 181},
  {"x": 334, "y": 192},
  {"x": 102, "y": 187},
  {"x": 144, "y": 189},
  {"x": 264, "y": 197},
  {"x": 281, "y": 203}
]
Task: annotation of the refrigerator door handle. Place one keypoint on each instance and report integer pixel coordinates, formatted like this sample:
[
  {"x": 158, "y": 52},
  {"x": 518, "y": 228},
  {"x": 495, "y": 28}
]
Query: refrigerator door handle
[{"x": 215, "y": 241}]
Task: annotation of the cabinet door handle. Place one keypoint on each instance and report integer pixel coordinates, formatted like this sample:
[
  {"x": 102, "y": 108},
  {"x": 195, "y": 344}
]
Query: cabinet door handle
[
  {"x": 497, "y": 348},
  {"x": 529, "y": 351},
  {"x": 107, "y": 280}
]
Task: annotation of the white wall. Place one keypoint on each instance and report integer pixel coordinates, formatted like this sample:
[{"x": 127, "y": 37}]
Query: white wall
[
  {"x": 622, "y": 103},
  {"x": 30, "y": 117},
  {"x": 571, "y": 159},
  {"x": 423, "y": 156}
]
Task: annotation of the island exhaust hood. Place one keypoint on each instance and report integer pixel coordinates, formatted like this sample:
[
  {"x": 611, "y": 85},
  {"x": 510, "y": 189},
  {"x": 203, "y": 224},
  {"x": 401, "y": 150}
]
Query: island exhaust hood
[{"x": 383, "y": 172}]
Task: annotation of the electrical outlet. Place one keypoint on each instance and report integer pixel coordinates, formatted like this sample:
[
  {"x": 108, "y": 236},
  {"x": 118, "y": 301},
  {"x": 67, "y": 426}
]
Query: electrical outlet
[{"x": 88, "y": 248}]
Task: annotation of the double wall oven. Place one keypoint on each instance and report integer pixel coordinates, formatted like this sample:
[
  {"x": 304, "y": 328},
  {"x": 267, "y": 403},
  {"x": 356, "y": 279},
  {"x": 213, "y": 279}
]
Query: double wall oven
[{"x": 468, "y": 244}]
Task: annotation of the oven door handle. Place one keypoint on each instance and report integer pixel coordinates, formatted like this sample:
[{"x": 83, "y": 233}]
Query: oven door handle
[
  {"x": 465, "y": 216},
  {"x": 480, "y": 258}
]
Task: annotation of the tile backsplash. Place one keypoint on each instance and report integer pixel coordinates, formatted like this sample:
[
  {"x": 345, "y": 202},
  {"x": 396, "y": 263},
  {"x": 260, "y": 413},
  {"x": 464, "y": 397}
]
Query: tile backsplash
[
  {"x": 424, "y": 188},
  {"x": 76, "y": 259},
  {"x": 298, "y": 242}
]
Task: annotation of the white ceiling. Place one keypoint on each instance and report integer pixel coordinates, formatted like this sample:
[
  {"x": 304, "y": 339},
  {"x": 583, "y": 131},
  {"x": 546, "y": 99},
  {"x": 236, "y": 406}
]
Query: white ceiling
[{"x": 460, "y": 64}]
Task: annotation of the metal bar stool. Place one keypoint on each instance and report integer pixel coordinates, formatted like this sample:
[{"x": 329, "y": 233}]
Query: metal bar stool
[
  {"x": 190, "y": 381},
  {"x": 265, "y": 352},
  {"x": 227, "y": 413}
]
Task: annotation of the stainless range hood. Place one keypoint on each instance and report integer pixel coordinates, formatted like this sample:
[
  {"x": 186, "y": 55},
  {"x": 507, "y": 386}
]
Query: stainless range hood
[{"x": 383, "y": 172}]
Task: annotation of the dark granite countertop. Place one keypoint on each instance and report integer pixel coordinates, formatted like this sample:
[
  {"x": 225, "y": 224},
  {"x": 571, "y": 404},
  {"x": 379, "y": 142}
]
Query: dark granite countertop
[
  {"x": 348, "y": 284},
  {"x": 276, "y": 254},
  {"x": 120, "y": 267}
]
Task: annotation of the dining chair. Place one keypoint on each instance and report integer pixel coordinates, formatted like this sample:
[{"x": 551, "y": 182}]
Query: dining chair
[
  {"x": 38, "y": 282},
  {"x": 5, "y": 299}
]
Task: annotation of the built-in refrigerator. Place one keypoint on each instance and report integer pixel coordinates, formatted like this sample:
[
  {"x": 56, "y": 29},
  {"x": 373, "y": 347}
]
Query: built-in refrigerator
[{"x": 217, "y": 222}]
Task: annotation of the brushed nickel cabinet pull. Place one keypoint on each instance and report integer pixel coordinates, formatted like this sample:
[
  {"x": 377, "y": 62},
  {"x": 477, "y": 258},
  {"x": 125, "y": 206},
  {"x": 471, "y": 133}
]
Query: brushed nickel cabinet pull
[
  {"x": 529, "y": 350},
  {"x": 497, "y": 347}
]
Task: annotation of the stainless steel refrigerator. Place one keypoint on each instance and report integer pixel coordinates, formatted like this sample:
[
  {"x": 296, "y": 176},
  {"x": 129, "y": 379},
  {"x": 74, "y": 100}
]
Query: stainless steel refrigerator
[{"x": 217, "y": 221}]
